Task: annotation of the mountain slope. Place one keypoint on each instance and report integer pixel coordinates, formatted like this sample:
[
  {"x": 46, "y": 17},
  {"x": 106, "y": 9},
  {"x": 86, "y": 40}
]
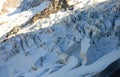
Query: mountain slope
[{"x": 46, "y": 39}]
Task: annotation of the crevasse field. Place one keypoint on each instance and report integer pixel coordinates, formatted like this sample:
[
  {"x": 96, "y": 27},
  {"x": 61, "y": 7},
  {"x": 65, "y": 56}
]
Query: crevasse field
[{"x": 59, "y": 38}]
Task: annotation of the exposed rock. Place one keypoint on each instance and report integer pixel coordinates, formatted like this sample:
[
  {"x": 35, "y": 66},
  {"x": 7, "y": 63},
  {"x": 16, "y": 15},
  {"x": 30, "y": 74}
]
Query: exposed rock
[
  {"x": 9, "y": 5},
  {"x": 13, "y": 31}
]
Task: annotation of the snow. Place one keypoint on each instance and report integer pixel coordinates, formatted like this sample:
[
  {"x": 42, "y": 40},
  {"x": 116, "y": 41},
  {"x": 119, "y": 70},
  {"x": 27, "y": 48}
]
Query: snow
[
  {"x": 74, "y": 43},
  {"x": 1, "y": 4},
  {"x": 20, "y": 18},
  {"x": 85, "y": 44},
  {"x": 89, "y": 70}
]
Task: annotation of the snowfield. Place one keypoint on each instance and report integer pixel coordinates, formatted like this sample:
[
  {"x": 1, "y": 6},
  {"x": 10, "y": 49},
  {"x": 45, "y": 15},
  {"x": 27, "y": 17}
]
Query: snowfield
[{"x": 78, "y": 42}]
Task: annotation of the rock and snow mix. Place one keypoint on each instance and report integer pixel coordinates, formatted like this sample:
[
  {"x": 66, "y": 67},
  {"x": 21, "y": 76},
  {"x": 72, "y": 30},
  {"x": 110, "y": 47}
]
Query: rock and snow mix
[{"x": 80, "y": 41}]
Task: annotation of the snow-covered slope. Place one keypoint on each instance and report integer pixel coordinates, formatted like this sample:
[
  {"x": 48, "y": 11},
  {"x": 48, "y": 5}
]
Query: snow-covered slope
[{"x": 80, "y": 40}]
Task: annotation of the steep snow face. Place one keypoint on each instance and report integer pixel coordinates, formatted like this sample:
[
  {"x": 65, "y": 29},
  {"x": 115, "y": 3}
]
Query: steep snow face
[
  {"x": 82, "y": 41},
  {"x": 19, "y": 19}
]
